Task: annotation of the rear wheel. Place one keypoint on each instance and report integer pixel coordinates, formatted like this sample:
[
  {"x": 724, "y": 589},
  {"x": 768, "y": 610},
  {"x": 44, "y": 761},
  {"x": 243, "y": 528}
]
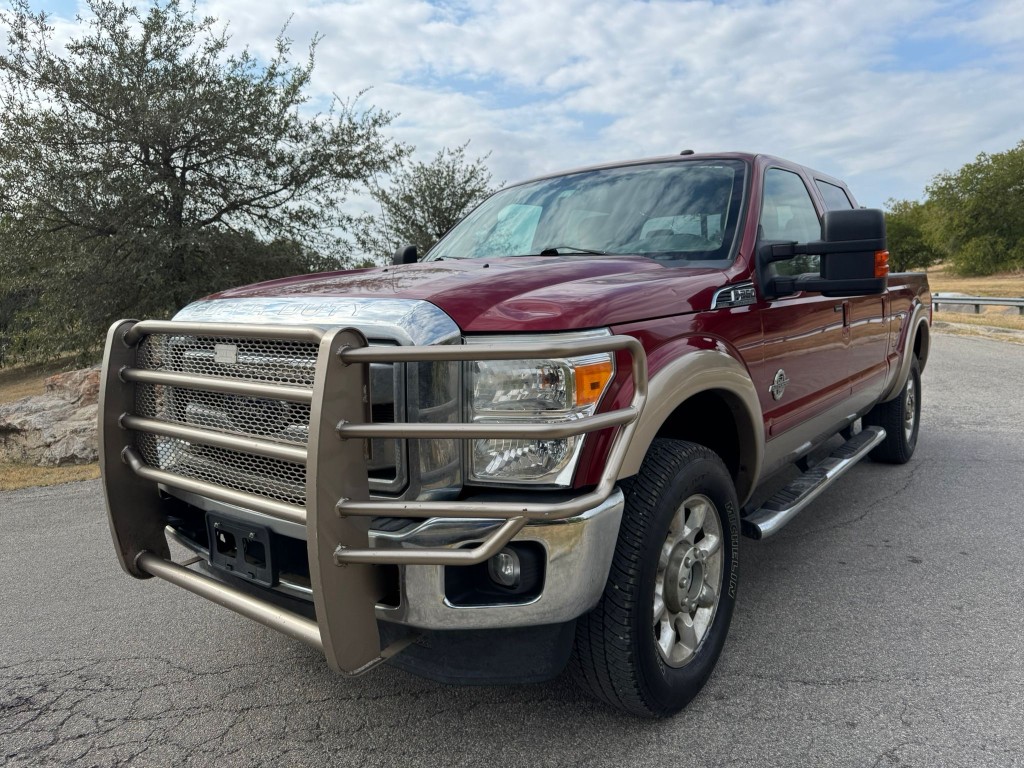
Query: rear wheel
[
  {"x": 901, "y": 419},
  {"x": 656, "y": 634}
]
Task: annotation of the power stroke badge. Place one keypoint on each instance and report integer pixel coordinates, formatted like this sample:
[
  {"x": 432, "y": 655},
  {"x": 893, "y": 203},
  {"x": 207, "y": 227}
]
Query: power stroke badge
[{"x": 778, "y": 385}]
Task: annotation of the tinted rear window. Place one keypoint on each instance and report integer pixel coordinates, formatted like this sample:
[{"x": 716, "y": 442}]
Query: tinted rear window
[{"x": 835, "y": 197}]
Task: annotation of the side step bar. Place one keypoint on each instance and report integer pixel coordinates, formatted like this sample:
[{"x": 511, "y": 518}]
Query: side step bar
[{"x": 786, "y": 503}]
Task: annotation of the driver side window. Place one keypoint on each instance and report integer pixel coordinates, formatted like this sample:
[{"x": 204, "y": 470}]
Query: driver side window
[{"x": 787, "y": 213}]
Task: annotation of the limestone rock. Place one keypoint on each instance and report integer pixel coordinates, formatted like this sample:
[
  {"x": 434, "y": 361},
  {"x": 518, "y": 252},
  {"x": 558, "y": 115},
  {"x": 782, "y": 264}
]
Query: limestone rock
[
  {"x": 55, "y": 428},
  {"x": 82, "y": 387}
]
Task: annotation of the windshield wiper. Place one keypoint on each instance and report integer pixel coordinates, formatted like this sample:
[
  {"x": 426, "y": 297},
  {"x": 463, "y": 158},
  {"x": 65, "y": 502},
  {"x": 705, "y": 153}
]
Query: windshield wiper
[{"x": 553, "y": 250}]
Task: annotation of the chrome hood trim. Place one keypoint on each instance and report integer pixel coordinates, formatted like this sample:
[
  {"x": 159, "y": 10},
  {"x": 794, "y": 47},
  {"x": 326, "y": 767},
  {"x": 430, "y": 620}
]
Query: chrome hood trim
[{"x": 407, "y": 321}]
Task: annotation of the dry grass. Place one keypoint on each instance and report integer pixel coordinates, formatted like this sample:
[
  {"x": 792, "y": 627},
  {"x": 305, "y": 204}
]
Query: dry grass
[
  {"x": 1012, "y": 322},
  {"x": 22, "y": 381},
  {"x": 14, "y": 476},
  {"x": 985, "y": 331},
  {"x": 1007, "y": 284}
]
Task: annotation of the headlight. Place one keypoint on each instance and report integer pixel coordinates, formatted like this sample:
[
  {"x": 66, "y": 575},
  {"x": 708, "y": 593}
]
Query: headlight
[{"x": 541, "y": 390}]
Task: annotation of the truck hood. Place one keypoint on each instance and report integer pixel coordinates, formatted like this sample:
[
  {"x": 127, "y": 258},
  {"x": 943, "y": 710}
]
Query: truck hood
[{"x": 518, "y": 294}]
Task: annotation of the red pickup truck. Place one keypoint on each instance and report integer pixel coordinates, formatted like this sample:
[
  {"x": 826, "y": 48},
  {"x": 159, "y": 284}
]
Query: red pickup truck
[{"x": 539, "y": 445}]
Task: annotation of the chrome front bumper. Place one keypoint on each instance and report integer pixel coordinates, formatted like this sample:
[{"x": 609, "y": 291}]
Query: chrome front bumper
[{"x": 579, "y": 554}]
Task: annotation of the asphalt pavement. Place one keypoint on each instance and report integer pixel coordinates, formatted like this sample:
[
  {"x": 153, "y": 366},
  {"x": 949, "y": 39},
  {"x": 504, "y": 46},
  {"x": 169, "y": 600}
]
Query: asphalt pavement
[{"x": 883, "y": 627}]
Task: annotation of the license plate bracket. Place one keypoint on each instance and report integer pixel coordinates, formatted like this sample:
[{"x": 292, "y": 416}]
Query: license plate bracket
[{"x": 241, "y": 549}]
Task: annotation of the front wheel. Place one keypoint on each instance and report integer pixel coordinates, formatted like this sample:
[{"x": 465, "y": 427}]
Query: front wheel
[{"x": 655, "y": 636}]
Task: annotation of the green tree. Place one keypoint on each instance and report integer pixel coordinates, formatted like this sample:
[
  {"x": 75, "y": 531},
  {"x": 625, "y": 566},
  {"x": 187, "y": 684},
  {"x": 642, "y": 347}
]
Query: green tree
[
  {"x": 906, "y": 224},
  {"x": 978, "y": 213},
  {"x": 145, "y": 165},
  {"x": 425, "y": 200}
]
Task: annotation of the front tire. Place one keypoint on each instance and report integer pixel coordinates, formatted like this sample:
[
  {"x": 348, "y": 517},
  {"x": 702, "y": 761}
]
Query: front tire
[
  {"x": 901, "y": 419},
  {"x": 655, "y": 636}
]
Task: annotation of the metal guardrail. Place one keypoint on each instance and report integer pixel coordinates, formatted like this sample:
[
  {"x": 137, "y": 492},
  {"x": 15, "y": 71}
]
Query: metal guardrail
[
  {"x": 337, "y": 501},
  {"x": 977, "y": 302}
]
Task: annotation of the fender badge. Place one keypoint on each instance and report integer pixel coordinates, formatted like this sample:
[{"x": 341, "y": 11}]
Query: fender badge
[{"x": 779, "y": 385}]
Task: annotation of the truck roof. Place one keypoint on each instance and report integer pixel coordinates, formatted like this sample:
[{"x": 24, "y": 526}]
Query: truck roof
[{"x": 748, "y": 157}]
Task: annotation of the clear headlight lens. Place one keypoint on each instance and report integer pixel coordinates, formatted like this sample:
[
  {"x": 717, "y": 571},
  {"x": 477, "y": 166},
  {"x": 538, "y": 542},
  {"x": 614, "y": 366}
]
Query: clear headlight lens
[{"x": 544, "y": 391}]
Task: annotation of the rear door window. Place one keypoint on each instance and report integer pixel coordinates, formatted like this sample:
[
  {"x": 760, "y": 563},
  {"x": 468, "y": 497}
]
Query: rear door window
[{"x": 835, "y": 197}]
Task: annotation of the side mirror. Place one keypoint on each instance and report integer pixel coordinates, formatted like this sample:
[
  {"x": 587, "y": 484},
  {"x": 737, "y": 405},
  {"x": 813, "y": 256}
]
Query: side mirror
[
  {"x": 854, "y": 259},
  {"x": 405, "y": 254}
]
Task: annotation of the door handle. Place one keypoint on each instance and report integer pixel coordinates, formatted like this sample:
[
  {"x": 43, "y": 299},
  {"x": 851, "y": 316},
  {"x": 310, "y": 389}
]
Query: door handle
[{"x": 845, "y": 309}]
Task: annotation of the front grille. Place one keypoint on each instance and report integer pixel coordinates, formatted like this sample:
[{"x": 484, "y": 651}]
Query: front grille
[
  {"x": 267, "y": 360},
  {"x": 258, "y": 417},
  {"x": 291, "y": 363},
  {"x": 272, "y": 478}
]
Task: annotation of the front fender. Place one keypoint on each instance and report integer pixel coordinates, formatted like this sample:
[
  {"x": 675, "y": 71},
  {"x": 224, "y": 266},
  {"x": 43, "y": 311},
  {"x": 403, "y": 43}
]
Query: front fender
[{"x": 689, "y": 372}]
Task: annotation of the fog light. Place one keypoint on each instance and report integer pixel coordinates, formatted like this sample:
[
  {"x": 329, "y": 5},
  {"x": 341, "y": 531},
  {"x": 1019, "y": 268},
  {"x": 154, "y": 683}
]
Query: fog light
[{"x": 504, "y": 568}]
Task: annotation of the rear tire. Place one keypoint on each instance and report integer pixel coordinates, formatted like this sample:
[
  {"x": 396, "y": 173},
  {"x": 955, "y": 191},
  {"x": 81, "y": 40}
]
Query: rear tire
[
  {"x": 901, "y": 419},
  {"x": 655, "y": 636}
]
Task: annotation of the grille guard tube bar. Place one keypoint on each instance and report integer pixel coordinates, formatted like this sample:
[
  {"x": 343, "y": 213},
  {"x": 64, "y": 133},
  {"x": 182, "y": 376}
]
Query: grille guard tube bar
[
  {"x": 502, "y": 510},
  {"x": 287, "y": 512},
  {"x": 213, "y": 384},
  {"x": 337, "y": 495},
  {"x": 259, "y": 610}
]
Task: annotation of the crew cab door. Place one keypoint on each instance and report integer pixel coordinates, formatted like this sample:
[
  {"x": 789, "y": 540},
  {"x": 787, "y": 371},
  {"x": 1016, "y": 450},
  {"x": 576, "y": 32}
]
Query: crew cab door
[
  {"x": 868, "y": 316},
  {"x": 806, "y": 335}
]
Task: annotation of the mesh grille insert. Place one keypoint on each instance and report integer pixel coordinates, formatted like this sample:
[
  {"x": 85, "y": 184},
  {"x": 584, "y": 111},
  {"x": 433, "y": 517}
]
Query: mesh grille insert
[
  {"x": 272, "y": 478},
  {"x": 236, "y": 414},
  {"x": 259, "y": 360},
  {"x": 278, "y": 362},
  {"x": 272, "y": 361}
]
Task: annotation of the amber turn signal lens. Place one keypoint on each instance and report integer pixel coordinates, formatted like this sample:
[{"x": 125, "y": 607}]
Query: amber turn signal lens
[
  {"x": 591, "y": 380},
  {"x": 881, "y": 263}
]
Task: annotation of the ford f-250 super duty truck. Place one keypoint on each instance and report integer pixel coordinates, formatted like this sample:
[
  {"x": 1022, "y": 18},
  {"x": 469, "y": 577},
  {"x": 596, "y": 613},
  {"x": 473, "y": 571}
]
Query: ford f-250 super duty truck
[{"x": 540, "y": 443}]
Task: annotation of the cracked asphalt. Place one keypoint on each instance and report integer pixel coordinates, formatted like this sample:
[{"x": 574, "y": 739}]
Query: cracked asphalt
[{"x": 882, "y": 627}]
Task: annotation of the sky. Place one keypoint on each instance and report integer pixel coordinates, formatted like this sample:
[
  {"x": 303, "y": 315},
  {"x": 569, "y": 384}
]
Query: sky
[{"x": 884, "y": 95}]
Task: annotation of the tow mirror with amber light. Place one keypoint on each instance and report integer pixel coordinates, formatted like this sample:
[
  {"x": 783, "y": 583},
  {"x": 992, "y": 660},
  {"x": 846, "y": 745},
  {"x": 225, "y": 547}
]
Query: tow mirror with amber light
[{"x": 854, "y": 259}]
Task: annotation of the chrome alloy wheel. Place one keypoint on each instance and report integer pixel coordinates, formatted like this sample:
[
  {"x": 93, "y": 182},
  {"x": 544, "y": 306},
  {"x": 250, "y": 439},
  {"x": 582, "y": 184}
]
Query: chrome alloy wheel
[
  {"x": 910, "y": 409},
  {"x": 689, "y": 580}
]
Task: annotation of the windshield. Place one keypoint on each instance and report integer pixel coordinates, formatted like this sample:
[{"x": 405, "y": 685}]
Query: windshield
[{"x": 683, "y": 211}]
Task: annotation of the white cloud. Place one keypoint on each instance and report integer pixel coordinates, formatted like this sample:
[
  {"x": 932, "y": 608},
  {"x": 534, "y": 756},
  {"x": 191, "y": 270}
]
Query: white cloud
[{"x": 882, "y": 95}]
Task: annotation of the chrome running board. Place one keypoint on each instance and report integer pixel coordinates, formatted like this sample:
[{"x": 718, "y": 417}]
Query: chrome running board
[{"x": 786, "y": 503}]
